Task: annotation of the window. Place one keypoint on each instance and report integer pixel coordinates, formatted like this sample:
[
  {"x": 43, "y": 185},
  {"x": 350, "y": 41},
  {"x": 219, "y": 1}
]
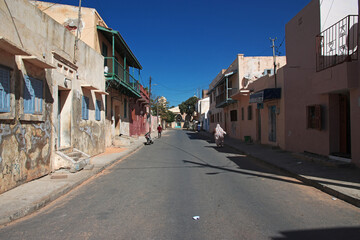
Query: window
[
  {"x": 33, "y": 95},
  {"x": 249, "y": 112},
  {"x": 242, "y": 113},
  {"x": 314, "y": 117},
  {"x": 233, "y": 116},
  {"x": 125, "y": 108},
  {"x": 4, "y": 90},
  {"x": 98, "y": 110},
  {"x": 85, "y": 108}
]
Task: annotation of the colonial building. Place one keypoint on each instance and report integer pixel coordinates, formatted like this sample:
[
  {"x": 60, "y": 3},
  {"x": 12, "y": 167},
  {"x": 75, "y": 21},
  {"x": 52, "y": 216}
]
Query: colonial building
[
  {"x": 322, "y": 80},
  {"x": 226, "y": 110},
  {"x": 126, "y": 102},
  {"x": 46, "y": 103}
]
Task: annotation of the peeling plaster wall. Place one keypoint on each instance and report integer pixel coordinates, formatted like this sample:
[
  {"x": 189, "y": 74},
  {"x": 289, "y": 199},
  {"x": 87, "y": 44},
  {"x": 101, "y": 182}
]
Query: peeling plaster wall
[
  {"x": 88, "y": 135},
  {"x": 25, "y": 146},
  {"x": 27, "y": 141}
]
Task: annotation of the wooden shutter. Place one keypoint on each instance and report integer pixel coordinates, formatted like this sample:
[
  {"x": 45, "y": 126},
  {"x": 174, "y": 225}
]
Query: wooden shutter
[
  {"x": 38, "y": 94},
  {"x": 98, "y": 110},
  {"x": 317, "y": 122},
  {"x": 85, "y": 108},
  {"x": 29, "y": 96},
  {"x": 4, "y": 90}
]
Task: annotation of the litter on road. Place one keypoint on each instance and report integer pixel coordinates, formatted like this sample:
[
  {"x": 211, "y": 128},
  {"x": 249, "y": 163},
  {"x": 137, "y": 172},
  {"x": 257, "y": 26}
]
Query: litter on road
[{"x": 196, "y": 217}]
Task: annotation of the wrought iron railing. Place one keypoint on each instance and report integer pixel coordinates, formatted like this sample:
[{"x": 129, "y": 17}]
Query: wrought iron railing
[
  {"x": 113, "y": 69},
  {"x": 338, "y": 43}
]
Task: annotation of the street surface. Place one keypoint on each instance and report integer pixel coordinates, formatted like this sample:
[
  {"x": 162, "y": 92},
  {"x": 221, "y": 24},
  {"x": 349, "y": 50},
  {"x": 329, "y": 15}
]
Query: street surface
[{"x": 156, "y": 192}]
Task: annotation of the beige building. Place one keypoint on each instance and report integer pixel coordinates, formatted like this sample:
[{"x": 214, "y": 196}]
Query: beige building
[
  {"x": 45, "y": 74},
  {"x": 261, "y": 115},
  {"x": 226, "y": 110},
  {"x": 123, "y": 106}
]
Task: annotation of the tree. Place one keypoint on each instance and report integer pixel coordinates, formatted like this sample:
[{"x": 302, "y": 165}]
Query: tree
[
  {"x": 161, "y": 108},
  {"x": 188, "y": 106}
]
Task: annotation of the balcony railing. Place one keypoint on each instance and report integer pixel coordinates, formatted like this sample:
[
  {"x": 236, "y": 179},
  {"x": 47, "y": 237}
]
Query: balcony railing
[
  {"x": 223, "y": 99},
  {"x": 115, "y": 71},
  {"x": 338, "y": 43}
]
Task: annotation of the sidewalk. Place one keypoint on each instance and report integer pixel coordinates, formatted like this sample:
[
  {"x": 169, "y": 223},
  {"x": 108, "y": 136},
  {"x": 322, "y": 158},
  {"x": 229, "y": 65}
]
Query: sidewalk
[
  {"x": 335, "y": 178},
  {"x": 29, "y": 197}
]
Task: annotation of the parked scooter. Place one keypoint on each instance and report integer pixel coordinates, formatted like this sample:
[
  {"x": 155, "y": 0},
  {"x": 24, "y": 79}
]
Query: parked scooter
[{"x": 148, "y": 139}]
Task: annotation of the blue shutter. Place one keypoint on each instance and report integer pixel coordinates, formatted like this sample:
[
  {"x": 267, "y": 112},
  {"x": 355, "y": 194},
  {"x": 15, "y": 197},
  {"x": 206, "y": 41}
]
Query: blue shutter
[
  {"x": 38, "y": 92},
  {"x": 83, "y": 108},
  {"x": 87, "y": 107},
  {"x": 29, "y": 98},
  {"x": 4, "y": 90},
  {"x": 98, "y": 110}
]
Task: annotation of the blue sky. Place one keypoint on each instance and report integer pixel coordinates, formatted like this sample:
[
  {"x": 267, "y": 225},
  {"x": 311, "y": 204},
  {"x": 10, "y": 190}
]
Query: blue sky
[{"x": 183, "y": 44}]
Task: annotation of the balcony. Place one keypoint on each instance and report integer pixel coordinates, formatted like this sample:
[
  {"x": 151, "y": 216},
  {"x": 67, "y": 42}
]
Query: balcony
[
  {"x": 337, "y": 44},
  {"x": 118, "y": 78},
  {"x": 223, "y": 98}
]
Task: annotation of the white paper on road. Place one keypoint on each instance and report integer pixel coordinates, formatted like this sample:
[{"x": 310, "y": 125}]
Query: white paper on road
[{"x": 196, "y": 217}]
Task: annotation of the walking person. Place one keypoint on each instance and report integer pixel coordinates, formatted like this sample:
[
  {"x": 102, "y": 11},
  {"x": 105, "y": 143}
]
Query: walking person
[
  {"x": 159, "y": 128},
  {"x": 219, "y": 136}
]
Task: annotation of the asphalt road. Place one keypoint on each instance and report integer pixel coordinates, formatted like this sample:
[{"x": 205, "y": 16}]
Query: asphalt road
[{"x": 156, "y": 192}]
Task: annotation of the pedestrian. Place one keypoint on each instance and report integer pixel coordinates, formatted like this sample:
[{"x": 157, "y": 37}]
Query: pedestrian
[
  {"x": 159, "y": 128},
  {"x": 219, "y": 136}
]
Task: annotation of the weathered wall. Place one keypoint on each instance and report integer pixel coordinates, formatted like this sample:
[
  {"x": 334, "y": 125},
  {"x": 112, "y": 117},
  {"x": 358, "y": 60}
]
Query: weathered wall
[{"x": 25, "y": 145}]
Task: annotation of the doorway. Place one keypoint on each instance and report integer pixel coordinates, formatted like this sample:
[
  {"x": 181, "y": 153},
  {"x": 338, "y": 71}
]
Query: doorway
[
  {"x": 272, "y": 123},
  {"x": 344, "y": 125},
  {"x": 258, "y": 125},
  {"x": 63, "y": 119}
]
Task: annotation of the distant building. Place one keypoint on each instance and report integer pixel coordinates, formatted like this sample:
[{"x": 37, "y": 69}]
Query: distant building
[
  {"x": 179, "y": 118},
  {"x": 228, "y": 111}
]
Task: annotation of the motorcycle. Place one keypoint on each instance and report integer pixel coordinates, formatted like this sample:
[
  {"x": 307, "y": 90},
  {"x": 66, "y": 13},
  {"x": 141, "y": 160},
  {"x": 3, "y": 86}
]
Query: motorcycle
[{"x": 148, "y": 139}]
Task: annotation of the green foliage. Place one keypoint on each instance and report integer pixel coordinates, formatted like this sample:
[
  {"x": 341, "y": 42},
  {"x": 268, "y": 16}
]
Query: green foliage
[
  {"x": 188, "y": 106},
  {"x": 161, "y": 109}
]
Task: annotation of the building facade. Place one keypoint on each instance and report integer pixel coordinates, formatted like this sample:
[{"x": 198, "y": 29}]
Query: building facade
[
  {"x": 126, "y": 102},
  {"x": 322, "y": 78},
  {"x": 226, "y": 110},
  {"x": 45, "y": 76}
]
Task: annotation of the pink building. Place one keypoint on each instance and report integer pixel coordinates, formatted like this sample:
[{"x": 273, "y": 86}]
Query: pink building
[
  {"x": 139, "y": 108},
  {"x": 322, "y": 91}
]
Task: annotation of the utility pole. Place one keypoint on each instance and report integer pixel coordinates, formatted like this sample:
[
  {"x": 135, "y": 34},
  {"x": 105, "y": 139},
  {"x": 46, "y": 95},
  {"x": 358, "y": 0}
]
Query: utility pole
[
  {"x": 274, "y": 56},
  {"x": 150, "y": 103}
]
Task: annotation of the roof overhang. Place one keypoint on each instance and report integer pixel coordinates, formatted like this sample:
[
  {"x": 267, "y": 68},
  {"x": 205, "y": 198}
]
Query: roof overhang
[
  {"x": 227, "y": 75},
  {"x": 36, "y": 61},
  {"x": 11, "y": 47},
  {"x": 120, "y": 46}
]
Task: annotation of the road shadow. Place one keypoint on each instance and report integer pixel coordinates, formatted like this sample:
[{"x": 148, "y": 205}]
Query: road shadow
[
  {"x": 331, "y": 175},
  {"x": 259, "y": 174},
  {"x": 348, "y": 233}
]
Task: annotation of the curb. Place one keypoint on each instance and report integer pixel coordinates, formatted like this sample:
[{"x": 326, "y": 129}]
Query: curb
[
  {"x": 307, "y": 181},
  {"x": 31, "y": 208}
]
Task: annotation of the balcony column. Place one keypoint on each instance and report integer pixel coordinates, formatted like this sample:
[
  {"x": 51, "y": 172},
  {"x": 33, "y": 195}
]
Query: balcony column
[
  {"x": 113, "y": 53},
  {"x": 125, "y": 68},
  {"x": 227, "y": 87}
]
